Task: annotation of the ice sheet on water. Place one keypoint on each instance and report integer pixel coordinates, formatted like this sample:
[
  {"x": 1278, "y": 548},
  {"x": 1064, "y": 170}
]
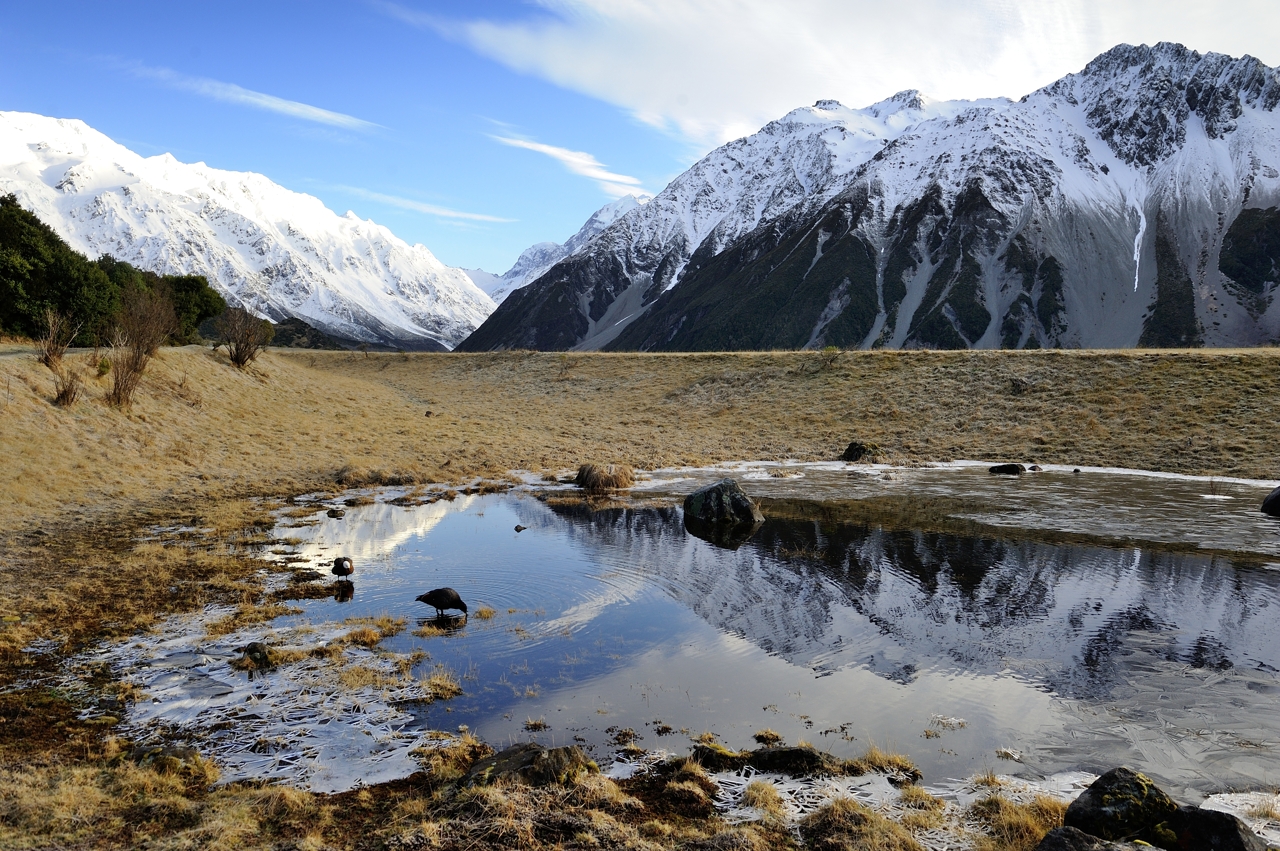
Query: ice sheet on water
[{"x": 297, "y": 724}]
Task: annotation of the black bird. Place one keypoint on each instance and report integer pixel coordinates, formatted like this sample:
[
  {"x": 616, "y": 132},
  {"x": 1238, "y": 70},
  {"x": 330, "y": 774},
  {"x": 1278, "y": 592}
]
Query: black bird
[
  {"x": 342, "y": 566},
  {"x": 441, "y": 599}
]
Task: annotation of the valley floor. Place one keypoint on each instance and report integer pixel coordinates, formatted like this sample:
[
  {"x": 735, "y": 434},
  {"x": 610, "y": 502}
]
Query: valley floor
[{"x": 204, "y": 439}]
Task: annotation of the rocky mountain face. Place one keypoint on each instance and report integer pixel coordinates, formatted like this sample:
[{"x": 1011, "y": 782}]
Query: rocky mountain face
[
  {"x": 278, "y": 253},
  {"x": 1136, "y": 202},
  {"x": 535, "y": 260}
]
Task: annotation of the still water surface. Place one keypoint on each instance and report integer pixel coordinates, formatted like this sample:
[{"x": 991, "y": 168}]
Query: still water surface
[{"x": 1089, "y": 654}]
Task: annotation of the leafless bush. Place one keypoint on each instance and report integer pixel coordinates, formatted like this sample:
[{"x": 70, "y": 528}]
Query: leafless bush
[
  {"x": 128, "y": 362},
  {"x": 244, "y": 334},
  {"x": 59, "y": 332},
  {"x": 67, "y": 387},
  {"x": 146, "y": 320}
]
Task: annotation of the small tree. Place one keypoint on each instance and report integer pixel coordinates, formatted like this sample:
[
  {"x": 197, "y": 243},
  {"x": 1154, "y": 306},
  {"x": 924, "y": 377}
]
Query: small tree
[{"x": 244, "y": 335}]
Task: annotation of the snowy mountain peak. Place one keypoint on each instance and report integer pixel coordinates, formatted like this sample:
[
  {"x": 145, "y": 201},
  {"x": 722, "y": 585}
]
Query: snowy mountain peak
[{"x": 277, "y": 252}]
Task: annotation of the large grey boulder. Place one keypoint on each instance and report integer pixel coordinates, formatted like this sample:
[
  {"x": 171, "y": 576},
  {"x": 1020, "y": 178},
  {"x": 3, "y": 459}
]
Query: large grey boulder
[
  {"x": 1271, "y": 505},
  {"x": 721, "y": 514}
]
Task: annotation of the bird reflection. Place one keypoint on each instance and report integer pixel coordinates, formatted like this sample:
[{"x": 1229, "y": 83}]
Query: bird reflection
[
  {"x": 444, "y": 623},
  {"x": 344, "y": 590}
]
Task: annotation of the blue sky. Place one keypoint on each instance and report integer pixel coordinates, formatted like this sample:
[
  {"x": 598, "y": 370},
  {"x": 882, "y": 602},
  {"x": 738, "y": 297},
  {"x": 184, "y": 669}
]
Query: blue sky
[{"x": 478, "y": 128}]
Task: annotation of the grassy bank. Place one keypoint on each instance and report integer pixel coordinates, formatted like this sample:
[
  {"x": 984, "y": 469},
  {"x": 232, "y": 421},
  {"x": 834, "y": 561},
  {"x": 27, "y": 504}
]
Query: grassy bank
[{"x": 202, "y": 438}]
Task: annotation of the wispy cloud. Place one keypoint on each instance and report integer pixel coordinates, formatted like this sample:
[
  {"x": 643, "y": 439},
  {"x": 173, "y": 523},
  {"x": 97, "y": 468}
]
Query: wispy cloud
[
  {"x": 231, "y": 93},
  {"x": 420, "y": 207},
  {"x": 581, "y": 163}
]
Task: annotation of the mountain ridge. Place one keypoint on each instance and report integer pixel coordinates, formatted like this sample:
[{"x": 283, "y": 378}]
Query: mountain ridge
[
  {"x": 1091, "y": 213},
  {"x": 279, "y": 253}
]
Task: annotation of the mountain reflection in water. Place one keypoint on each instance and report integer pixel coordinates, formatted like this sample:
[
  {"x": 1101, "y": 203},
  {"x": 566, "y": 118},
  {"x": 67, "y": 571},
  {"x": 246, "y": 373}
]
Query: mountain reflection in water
[{"x": 1076, "y": 655}]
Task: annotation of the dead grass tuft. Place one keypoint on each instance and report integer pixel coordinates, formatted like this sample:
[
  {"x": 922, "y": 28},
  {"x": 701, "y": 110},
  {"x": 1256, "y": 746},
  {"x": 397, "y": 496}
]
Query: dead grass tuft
[
  {"x": 485, "y": 613},
  {"x": 884, "y": 762},
  {"x": 1015, "y": 827},
  {"x": 767, "y": 737},
  {"x": 764, "y": 796},
  {"x": 67, "y": 386},
  {"x": 442, "y": 684},
  {"x": 596, "y": 479},
  {"x": 846, "y": 824}
]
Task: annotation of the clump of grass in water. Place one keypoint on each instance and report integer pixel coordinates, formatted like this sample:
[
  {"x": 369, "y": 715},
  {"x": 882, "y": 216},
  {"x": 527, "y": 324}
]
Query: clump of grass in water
[
  {"x": 442, "y": 684},
  {"x": 536, "y": 725},
  {"x": 767, "y": 737},
  {"x": 485, "y": 613}
]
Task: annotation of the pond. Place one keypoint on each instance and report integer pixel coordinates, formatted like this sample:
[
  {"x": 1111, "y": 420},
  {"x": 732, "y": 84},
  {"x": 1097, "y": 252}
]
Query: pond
[{"x": 1052, "y": 622}]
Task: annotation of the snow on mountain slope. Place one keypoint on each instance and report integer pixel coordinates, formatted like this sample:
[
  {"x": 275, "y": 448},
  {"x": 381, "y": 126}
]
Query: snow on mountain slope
[
  {"x": 803, "y": 158},
  {"x": 276, "y": 252},
  {"x": 535, "y": 260},
  {"x": 1134, "y": 203}
]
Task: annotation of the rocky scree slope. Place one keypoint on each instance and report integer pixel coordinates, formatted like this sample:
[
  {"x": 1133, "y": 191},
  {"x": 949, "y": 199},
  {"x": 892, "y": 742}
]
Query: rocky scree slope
[
  {"x": 1136, "y": 202},
  {"x": 278, "y": 253}
]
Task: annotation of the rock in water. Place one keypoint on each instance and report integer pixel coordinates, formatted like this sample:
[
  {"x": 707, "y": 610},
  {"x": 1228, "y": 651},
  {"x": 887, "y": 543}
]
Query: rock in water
[
  {"x": 533, "y": 765},
  {"x": 1072, "y": 839},
  {"x": 721, "y": 514},
  {"x": 858, "y": 450},
  {"x": 1007, "y": 470},
  {"x": 1192, "y": 827},
  {"x": 1271, "y": 505},
  {"x": 1121, "y": 804}
]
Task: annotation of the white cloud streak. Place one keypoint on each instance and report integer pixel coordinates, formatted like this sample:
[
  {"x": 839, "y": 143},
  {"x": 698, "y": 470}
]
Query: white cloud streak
[
  {"x": 581, "y": 163},
  {"x": 420, "y": 207},
  {"x": 231, "y": 93},
  {"x": 712, "y": 70}
]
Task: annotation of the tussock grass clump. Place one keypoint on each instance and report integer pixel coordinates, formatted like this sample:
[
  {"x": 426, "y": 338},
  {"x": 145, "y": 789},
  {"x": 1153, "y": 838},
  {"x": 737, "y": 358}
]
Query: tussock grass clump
[
  {"x": 764, "y": 796},
  {"x": 593, "y": 478},
  {"x": 485, "y": 613},
  {"x": 442, "y": 684},
  {"x": 846, "y": 824},
  {"x": 365, "y": 636},
  {"x": 536, "y": 725},
  {"x": 1266, "y": 809},
  {"x": 1015, "y": 827},
  {"x": 767, "y": 737},
  {"x": 877, "y": 760}
]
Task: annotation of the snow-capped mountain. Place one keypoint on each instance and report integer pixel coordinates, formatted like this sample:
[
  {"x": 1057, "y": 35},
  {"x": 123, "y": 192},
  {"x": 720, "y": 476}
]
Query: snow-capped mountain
[
  {"x": 1132, "y": 203},
  {"x": 535, "y": 260},
  {"x": 276, "y": 252}
]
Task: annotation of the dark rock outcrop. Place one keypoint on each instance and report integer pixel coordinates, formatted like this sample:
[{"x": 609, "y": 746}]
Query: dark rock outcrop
[
  {"x": 1193, "y": 827},
  {"x": 1271, "y": 505},
  {"x": 1121, "y": 804},
  {"x": 1073, "y": 839},
  {"x": 721, "y": 514},
  {"x": 533, "y": 765},
  {"x": 1007, "y": 470}
]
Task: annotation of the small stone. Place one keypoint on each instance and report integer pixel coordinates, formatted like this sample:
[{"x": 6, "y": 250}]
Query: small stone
[
  {"x": 1073, "y": 839},
  {"x": 1007, "y": 470},
  {"x": 721, "y": 514},
  {"x": 1035, "y": 468},
  {"x": 336, "y": 513},
  {"x": 520, "y": 528}
]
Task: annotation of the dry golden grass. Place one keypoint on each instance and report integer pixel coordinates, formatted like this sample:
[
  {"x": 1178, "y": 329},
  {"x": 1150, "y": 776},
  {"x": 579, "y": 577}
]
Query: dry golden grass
[
  {"x": 1269, "y": 810},
  {"x": 1015, "y": 827},
  {"x": 764, "y": 796},
  {"x": 485, "y": 613},
  {"x": 594, "y": 478},
  {"x": 767, "y": 737},
  {"x": 846, "y": 824},
  {"x": 201, "y": 438},
  {"x": 442, "y": 684}
]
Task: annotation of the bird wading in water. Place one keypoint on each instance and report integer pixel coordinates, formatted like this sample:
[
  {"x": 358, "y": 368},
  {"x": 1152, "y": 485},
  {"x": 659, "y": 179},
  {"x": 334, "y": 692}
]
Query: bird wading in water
[
  {"x": 441, "y": 599},
  {"x": 342, "y": 566}
]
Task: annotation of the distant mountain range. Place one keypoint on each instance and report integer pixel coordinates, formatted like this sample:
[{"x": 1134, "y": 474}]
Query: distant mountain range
[
  {"x": 1135, "y": 203},
  {"x": 279, "y": 253}
]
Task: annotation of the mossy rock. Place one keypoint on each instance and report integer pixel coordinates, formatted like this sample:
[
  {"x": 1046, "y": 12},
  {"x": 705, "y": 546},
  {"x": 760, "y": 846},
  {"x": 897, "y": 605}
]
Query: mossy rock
[
  {"x": 533, "y": 765},
  {"x": 1122, "y": 804}
]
